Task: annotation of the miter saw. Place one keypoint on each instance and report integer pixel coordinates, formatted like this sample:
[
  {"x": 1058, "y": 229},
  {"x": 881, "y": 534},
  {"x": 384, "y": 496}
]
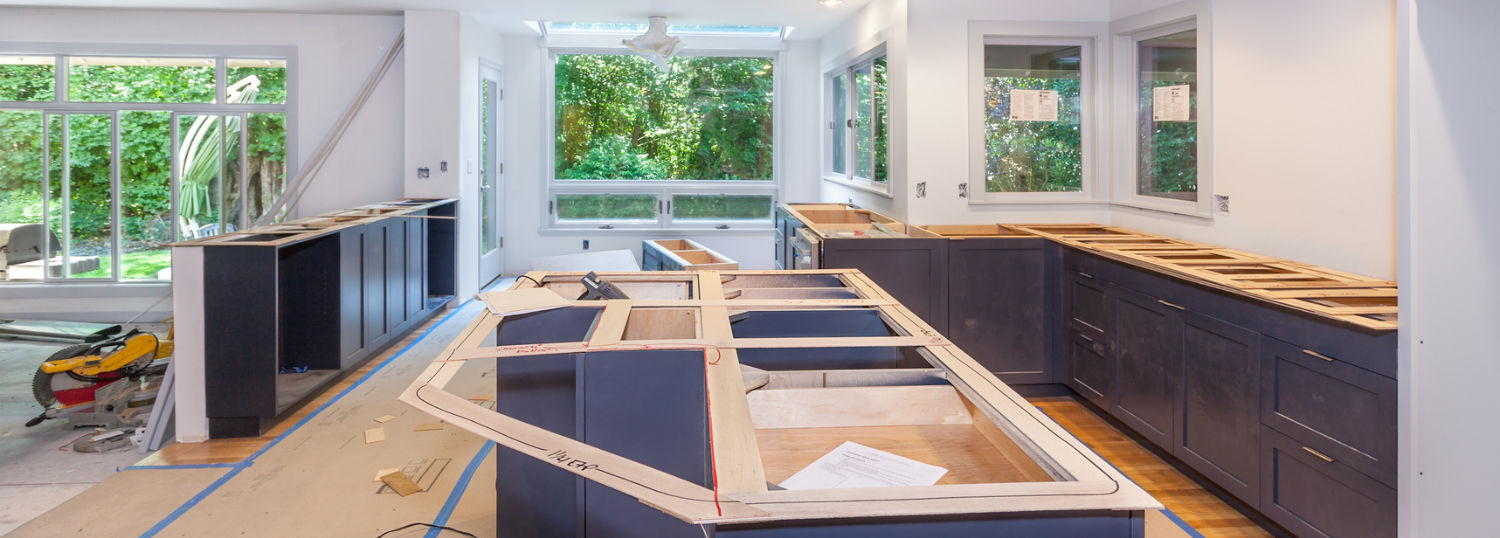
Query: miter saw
[{"x": 109, "y": 384}]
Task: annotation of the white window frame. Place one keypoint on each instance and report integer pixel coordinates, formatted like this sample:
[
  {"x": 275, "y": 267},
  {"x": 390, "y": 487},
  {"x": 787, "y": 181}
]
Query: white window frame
[
  {"x": 848, "y": 176},
  {"x": 1127, "y": 34},
  {"x": 62, "y": 105},
  {"x": 1090, "y": 37},
  {"x": 663, "y": 189}
]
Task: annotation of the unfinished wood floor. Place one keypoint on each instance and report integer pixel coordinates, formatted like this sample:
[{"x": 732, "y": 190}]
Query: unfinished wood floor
[{"x": 1200, "y": 509}]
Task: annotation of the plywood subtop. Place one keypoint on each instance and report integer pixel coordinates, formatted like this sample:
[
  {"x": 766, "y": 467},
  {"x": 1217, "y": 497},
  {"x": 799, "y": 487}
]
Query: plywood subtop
[{"x": 293, "y": 231}]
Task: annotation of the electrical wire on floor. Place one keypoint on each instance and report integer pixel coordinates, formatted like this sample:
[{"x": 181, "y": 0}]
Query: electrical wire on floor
[
  {"x": 533, "y": 280},
  {"x": 439, "y": 527}
]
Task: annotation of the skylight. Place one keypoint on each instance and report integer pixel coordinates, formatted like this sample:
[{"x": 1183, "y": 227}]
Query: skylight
[{"x": 610, "y": 28}]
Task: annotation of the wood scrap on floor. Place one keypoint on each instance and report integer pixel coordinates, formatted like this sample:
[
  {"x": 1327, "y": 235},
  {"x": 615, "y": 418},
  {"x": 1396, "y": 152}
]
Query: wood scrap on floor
[
  {"x": 400, "y": 483},
  {"x": 385, "y": 419},
  {"x": 386, "y": 471},
  {"x": 428, "y": 427},
  {"x": 374, "y": 435}
]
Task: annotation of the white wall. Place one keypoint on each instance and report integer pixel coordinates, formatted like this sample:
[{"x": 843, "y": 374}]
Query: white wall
[
  {"x": 938, "y": 94},
  {"x": 880, "y": 21},
  {"x": 335, "y": 55},
  {"x": 526, "y": 166},
  {"x": 1450, "y": 299},
  {"x": 1304, "y": 124}
]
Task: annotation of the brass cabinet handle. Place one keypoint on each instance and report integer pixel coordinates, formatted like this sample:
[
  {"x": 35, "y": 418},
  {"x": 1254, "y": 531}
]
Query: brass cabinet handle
[
  {"x": 1164, "y": 303},
  {"x": 1319, "y": 355},
  {"x": 1085, "y": 275},
  {"x": 1085, "y": 337},
  {"x": 1319, "y": 455}
]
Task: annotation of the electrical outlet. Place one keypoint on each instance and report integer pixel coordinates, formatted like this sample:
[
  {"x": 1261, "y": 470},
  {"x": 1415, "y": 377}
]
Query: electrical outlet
[
  {"x": 921, "y": 189},
  {"x": 443, "y": 166},
  {"x": 585, "y": 244},
  {"x": 1221, "y": 204},
  {"x": 424, "y": 173}
]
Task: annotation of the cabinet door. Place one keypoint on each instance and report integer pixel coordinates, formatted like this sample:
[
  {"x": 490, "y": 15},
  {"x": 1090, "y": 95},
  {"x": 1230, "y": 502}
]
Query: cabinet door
[
  {"x": 1148, "y": 350},
  {"x": 997, "y": 306},
  {"x": 395, "y": 273},
  {"x": 1091, "y": 369},
  {"x": 373, "y": 272},
  {"x": 1220, "y": 420},
  {"x": 1330, "y": 405},
  {"x": 351, "y": 294}
]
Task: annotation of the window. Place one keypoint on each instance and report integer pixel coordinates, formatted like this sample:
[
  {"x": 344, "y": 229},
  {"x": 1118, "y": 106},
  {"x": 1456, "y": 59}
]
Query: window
[
  {"x": 636, "y": 146},
  {"x": 1167, "y": 148},
  {"x": 1033, "y": 118},
  {"x": 138, "y": 152},
  {"x": 1163, "y": 122},
  {"x": 859, "y": 119}
]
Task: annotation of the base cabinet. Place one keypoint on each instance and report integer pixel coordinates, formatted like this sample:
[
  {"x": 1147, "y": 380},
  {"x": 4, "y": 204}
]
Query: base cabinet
[{"x": 1090, "y": 368}]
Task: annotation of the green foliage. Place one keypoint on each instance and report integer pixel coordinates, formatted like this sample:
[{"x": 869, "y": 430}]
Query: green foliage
[
  {"x": 606, "y": 206},
  {"x": 145, "y": 151},
  {"x": 1032, "y": 156},
  {"x": 1168, "y": 150},
  {"x": 718, "y": 206},
  {"x": 708, "y": 118}
]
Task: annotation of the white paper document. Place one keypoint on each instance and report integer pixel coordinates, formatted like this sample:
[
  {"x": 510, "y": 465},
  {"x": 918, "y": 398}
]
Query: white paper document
[
  {"x": 1033, "y": 105},
  {"x": 853, "y": 465},
  {"x": 1171, "y": 103}
]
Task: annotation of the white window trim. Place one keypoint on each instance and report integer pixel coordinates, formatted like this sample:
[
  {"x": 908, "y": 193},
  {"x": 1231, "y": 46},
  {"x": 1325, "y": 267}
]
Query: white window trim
[
  {"x": 60, "y": 104},
  {"x": 848, "y": 178},
  {"x": 663, "y": 189},
  {"x": 1126, "y": 33},
  {"x": 1091, "y": 37}
]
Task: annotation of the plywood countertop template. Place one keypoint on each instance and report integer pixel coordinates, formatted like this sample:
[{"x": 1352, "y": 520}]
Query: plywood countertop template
[
  {"x": 294, "y": 231},
  {"x": 1005, "y": 455}
]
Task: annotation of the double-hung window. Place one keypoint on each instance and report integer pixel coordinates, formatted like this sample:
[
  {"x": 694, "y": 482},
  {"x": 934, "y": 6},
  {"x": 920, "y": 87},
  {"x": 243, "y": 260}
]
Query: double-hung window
[
  {"x": 859, "y": 123},
  {"x": 637, "y": 145},
  {"x": 105, "y": 159}
]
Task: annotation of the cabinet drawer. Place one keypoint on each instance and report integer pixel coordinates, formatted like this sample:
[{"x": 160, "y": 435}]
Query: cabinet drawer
[
  {"x": 1085, "y": 303},
  {"x": 1091, "y": 368},
  {"x": 1342, "y": 411},
  {"x": 1311, "y": 496}
]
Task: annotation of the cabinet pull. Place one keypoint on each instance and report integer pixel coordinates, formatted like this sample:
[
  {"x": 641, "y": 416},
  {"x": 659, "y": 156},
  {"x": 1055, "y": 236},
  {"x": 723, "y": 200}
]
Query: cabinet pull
[
  {"x": 1318, "y": 355},
  {"x": 1085, "y": 275},
  {"x": 1085, "y": 337},
  {"x": 1164, "y": 303},
  {"x": 1317, "y": 454}
]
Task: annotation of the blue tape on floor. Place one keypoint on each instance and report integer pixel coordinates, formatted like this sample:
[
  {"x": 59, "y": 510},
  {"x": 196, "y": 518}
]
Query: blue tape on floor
[
  {"x": 459, "y": 489},
  {"x": 1164, "y": 510},
  {"x": 241, "y": 466}
]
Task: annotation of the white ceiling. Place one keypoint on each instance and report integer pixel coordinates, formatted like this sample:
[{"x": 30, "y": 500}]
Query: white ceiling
[{"x": 810, "y": 19}]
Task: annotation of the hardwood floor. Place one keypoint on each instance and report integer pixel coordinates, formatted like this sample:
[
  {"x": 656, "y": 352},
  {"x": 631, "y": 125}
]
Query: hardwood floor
[
  {"x": 1191, "y": 502},
  {"x": 236, "y": 450}
]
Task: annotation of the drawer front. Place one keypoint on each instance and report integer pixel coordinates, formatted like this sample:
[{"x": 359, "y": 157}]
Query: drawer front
[
  {"x": 1342, "y": 411},
  {"x": 1314, "y": 497},
  {"x": 1091, "y": 368},
  {"x": 1085, "y": 303}
]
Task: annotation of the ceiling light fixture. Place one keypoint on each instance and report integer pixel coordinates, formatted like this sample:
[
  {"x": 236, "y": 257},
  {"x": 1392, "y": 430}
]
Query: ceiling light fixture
[{"x": 655, "y": 44}]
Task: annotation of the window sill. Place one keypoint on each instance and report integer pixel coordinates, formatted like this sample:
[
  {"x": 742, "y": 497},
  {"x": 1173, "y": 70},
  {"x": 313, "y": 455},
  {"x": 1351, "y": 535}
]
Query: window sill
[
  {"x": 861, "y": 185},
  {"x": 1164, "y": 208},
  {"x": 1013, "y": 199}
]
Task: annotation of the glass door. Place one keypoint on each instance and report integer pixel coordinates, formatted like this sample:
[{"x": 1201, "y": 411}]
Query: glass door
[{"x": 491, "y": 239}]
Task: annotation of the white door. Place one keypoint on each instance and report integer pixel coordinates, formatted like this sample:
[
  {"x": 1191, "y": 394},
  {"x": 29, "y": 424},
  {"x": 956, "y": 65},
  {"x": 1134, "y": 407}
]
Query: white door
[{"x": 491, "y": 170}]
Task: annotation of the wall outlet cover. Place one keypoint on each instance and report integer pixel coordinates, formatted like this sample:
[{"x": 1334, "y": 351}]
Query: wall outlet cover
[
  {"x": 1221, "y": 204},
  {"x": 585, "y": 244}
]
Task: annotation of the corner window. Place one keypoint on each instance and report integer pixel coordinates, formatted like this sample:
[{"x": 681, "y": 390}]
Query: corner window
[
  {"x": 639, "y": 146},
  {"x": 1166, "y": 116},
  {"x": 1033, "y": 117},
  {"x": 1162, "y": 129},
  {"x": 859, "y": 122}
]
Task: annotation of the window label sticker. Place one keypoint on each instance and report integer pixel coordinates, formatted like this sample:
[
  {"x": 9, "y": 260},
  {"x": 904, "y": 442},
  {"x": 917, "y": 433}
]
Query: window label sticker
[
  {"x": 1171, "y": 103},
  {"x": 1033, "y": 105}
]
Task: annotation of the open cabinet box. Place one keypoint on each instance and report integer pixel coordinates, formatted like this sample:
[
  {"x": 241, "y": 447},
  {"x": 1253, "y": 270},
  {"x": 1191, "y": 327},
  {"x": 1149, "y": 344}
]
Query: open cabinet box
[{"x": 668, "y": 414}]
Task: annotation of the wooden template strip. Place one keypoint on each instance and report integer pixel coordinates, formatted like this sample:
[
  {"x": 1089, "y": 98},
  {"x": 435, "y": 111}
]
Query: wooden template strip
[
  {"x": 609, "y": 328},
  {"x": 1322, "y": 293},
  {"x": 560, "y": 348},
  {"x": 736, "y": 454}
]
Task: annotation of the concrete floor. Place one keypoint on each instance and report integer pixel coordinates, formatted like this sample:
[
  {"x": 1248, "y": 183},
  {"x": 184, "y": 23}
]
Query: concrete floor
[{"x": 38, "y": 468}]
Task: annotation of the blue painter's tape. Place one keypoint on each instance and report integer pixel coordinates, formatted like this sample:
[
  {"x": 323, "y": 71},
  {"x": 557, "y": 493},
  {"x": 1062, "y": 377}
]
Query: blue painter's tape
[
  {"x": 241, "y": 466},
  {"x": 191, "y": 466},
  {"x": 1164, "y": 510},
  {"x": 459, "y": 489}
]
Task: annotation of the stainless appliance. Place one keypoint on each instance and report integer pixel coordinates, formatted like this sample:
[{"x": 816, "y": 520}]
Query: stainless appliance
[{"x": 805, "y": 250}]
